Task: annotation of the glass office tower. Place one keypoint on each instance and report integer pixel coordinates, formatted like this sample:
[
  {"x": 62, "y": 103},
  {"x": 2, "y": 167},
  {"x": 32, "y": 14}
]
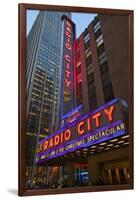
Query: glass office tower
[{"x": 42, "y": 83}]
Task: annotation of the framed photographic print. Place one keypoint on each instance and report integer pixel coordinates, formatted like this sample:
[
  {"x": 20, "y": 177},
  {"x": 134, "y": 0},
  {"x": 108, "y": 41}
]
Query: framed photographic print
[{"x": 75, "y": 99}]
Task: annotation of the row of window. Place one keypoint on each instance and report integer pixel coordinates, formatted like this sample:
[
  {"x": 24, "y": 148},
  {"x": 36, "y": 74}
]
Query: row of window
[
  {"x": 90, "y": 72},
  {"x": 103, "y": 64},
  {"x": 88, "y": 60},
  {"x": 92, "y": 91}
]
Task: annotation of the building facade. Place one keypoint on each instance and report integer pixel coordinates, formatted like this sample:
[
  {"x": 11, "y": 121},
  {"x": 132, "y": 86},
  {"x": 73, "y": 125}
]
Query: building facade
[
  {"x": 101, "y": 74},
  {"x": 43, "y": 83},
  {"x": 101, "y": 62}
]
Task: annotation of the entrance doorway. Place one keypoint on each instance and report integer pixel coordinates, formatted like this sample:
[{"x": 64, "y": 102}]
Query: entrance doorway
[
  {"x": 81, "y": 174},
  {"x": 116, "y": 176}
]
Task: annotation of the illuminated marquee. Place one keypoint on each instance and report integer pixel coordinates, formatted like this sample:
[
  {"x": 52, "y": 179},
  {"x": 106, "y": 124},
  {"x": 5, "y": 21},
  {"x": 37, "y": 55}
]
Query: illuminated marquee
[
  {"x": 72, "y": 115},
  {"x": 92, "y": 128}
]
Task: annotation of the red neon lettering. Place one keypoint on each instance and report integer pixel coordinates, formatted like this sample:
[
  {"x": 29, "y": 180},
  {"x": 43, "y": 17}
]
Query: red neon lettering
[
  {"x": 68, "y": 46},
  {"x": 68, "y": 29},
  {"x": 88, "y": 123},
  {"x": 67, "y": 83},
  {"x": 61, "y": 137},
  {"x": 68, "y": 66},
  {"x": 109, "y": 113},
  {"x": 96, "y": 117},
  {"x": 45, "y": 145},
  {"x": 68, "y": 23},
  {"x": 80, "y": 131},
  {"x": 68, "y": 40},
  {"x": 67, "y": 58},
  {"x": 56, "y": 140},
  {"x": 51, "y": 143},
  {"x": 68, "y": 34},
  {"x": 67, "y": 135},
  {"x": 67, "y": 73}
]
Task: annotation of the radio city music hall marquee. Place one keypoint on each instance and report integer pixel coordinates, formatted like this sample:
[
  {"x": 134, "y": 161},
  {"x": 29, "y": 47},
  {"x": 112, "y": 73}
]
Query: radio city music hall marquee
[{"x": 90, "y": 129}]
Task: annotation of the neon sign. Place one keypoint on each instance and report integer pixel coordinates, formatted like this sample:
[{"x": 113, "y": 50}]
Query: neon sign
[
  {"x": 81, "y": 128},
  {"x": 92, "y": 128},
  {"x": 72, "y": 115},
  {"x": 100, "y": 135},
  {"x": 67, "y": 77},
  {"x": 67, "y": 54}
]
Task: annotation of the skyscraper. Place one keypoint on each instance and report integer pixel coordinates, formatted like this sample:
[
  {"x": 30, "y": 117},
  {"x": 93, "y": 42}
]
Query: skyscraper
[{"x": 42, "y": 81}]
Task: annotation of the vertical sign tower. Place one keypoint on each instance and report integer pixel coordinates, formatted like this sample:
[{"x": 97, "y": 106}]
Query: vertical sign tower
[{"x": 67, "y": 64}]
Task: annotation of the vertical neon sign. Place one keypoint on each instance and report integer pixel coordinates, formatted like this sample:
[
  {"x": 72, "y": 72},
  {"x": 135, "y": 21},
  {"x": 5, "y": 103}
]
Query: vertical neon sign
[
  {"x": 67, "y": 85},
  {"x": 67, "y": 55}
]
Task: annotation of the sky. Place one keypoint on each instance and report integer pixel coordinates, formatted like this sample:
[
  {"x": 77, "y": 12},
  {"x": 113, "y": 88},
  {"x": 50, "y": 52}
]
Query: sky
[
  {"x": 81, "y": 20},
  {"x": 31, "y": 16}
]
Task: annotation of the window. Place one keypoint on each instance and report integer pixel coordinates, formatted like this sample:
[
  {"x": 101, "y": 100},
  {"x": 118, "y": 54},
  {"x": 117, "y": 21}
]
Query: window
[
  {"x": 100, "y": 42},
  {"x": 92, "y": 97},
  {"x": 98, "y": 33},
  {"x": 100, "y": 49},
  {"x": 88, "y": 60},
  {"x": 85, "y": 32},
  {"x": 97, "y": 26},
  {"x": 92, "y": 91},
  {"x": 52, "y": 58},
  {"x": 99, "y": 38},
  {"x": 86, "y": 38},
  {"x": 90, "y": 69},
  {"x": 106, "y": 82},
  {"x": 102, "y": 55},
  {"x": 105, "y": 78},
  {"x": 108, "y": 92},
  {"x": 104, "y": 67},
  {"x": 87, "y": 53},
  {"x": 103, "y": 60},
  {"x": 122, "y": 176},
  {"x": 91, "y": 77},
  {"x": 87, "y": 44}
]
